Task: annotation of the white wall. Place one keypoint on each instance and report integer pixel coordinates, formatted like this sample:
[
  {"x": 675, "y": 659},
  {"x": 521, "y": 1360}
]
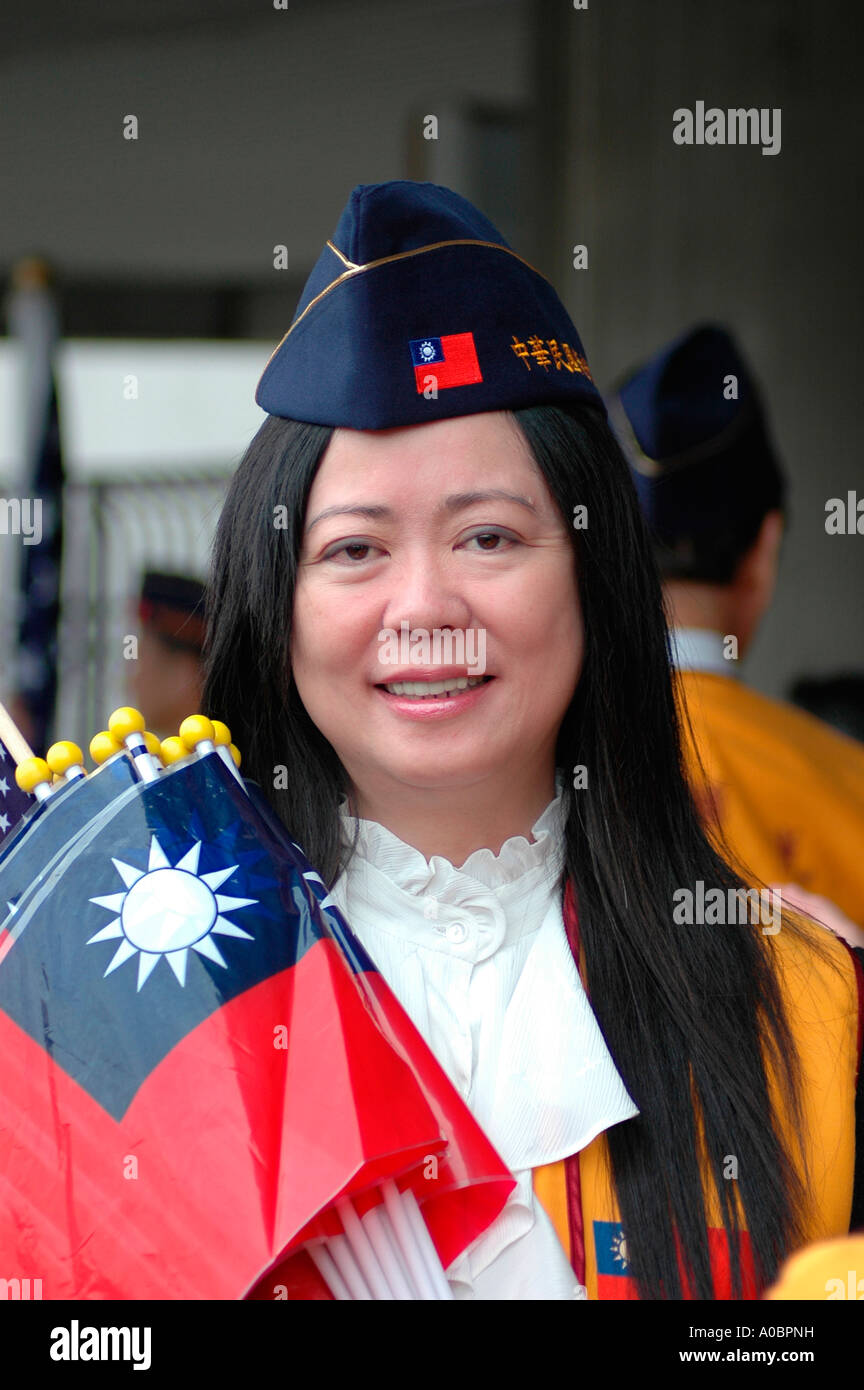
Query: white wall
[
  {"x": 249, "y": 135},
  {"x": 194, "y": 408}
]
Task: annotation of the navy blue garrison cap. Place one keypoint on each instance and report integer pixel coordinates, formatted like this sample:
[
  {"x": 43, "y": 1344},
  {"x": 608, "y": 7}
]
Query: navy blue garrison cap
[
  {"x": 417, "y": 310},
  {"x": 694, "y": 432}
]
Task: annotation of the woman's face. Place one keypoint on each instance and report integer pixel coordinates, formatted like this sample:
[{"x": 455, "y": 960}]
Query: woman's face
[{"x": 448, "y": 529}]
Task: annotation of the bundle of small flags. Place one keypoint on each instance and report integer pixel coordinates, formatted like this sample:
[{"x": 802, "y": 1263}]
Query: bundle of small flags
[{"x": 208, "y": 1090}]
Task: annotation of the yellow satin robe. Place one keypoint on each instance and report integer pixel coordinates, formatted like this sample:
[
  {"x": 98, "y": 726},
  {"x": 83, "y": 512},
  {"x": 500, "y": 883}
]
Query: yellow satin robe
[{"x": 785, "y": 788}]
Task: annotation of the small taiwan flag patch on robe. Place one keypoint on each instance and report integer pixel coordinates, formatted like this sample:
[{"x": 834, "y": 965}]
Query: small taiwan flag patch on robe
[
  {"x": 615, "y": 1279},
  {"x": 613, "y": 1267},
  {"x": 451, "y": 360}
]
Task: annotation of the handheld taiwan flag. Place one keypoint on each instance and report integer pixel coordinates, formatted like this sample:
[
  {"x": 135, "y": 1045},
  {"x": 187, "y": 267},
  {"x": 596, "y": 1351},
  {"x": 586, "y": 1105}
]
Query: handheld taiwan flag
[
  {"x": 201, "y": 1066},
  {"x": 448, "y": 361}
]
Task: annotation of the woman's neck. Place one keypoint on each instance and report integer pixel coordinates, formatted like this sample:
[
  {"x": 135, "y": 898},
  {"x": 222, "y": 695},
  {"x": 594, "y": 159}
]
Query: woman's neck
[{"x": 454, "y": 822}]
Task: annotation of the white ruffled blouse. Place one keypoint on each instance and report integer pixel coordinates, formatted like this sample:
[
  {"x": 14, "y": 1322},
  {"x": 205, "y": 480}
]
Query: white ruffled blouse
[{"x": 478, "y": 958}]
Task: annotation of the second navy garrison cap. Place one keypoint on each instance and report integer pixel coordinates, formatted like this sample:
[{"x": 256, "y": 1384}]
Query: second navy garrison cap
[{"x": 692, "y": 425}]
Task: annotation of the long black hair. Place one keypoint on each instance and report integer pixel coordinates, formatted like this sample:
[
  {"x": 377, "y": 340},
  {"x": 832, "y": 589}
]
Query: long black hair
[{"x": 692, "y": 1015}]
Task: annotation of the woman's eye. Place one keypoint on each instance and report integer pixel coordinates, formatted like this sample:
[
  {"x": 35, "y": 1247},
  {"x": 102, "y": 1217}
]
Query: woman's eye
[
  {"x": 490, "y": 536},
  {"x": 354, "y": 551}
]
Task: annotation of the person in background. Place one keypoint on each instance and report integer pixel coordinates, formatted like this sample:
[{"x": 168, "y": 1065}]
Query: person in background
[
  {"x": 165, "y": 681},
  {"x": 784, "y": 790}
]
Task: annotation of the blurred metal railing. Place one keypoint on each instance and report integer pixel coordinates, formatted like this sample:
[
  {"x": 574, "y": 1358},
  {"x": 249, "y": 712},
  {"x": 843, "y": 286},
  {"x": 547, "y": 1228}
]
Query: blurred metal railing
[{"x": 113, "y": 532}]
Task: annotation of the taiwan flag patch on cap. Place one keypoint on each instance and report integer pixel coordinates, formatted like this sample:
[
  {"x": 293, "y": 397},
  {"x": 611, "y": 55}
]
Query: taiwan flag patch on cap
[{"x": 451, "y": 360}]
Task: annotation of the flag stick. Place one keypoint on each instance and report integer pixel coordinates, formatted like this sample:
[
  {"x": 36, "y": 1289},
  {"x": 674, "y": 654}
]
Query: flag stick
[
  {"x": 326, "y": 1267},
  {"x": 13, "y": 737},
  {"x": 404, "y": 1270},
  {"x": 406, "y": 1236},
  {"x": 363, "y": 1251},
  {"x": 427, "y": 1246},
  {"x": 344, "y": 1260},
  {"x": 377, "y": 1226}
]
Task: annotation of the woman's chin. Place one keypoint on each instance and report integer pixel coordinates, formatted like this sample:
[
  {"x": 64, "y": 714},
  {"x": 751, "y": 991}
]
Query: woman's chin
[{"x": 441, "y": 774}]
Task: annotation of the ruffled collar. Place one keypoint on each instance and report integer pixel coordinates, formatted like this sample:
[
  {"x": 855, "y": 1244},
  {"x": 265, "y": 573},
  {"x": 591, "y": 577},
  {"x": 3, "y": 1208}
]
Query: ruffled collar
[{"x": 408, "y": 869}]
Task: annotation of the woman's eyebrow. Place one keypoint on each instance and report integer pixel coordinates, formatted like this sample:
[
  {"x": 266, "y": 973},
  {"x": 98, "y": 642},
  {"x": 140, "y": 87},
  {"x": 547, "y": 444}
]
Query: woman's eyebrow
[
  {"x": 371, "y": 512},
  {"x": 458, "y": 501}
]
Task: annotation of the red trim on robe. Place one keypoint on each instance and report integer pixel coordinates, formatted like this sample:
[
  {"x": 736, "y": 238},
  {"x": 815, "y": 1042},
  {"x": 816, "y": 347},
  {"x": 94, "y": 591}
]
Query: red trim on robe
[
  {"x": 621, "y": 1287},
  {"x": 571, "y": 1165}
]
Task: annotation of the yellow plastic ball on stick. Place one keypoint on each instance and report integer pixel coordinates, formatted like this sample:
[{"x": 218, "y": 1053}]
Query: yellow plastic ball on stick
[
  {"x": 235, "y": 754},
  {"x": 221, "y": 734},
  {"x": 103, "y": 746},
  {"x": 153, "y": 744},
  {"x": 31, "y": 773},
  {"x": 196, "y": 729},
  {"x": 125, "y": 721},
  {"x": 63, "y": 755},
  {"x": 172, "y": 750}
]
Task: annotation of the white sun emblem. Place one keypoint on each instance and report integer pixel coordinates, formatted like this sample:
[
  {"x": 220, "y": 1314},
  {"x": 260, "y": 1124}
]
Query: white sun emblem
[
  {"x": 619, "y": 1249},
  {"x": 168, "y": 910},
  {"x": 427, "y": 350}
]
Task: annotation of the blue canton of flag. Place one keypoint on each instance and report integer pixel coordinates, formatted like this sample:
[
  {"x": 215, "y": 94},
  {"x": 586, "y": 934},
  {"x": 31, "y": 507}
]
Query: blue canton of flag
[
  {"x": 13, "y": 802},
  {"x": 614, "y": 1275},
  {"x": 31, "y": 849},
  {"x": 134, "y": 928},
  {"x": 426, "y": 350}
]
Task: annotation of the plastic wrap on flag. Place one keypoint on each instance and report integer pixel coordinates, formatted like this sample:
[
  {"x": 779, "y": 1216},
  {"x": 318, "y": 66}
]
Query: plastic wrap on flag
[{"x": 27, "y": 855}]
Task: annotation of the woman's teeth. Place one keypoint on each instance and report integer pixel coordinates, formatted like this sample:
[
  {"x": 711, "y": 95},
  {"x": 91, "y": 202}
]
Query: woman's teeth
[{"x": 421, "y": 689}]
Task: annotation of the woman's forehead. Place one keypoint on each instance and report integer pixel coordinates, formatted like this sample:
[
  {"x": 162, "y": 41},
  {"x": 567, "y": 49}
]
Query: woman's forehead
[{"x": 482, "y": 447}]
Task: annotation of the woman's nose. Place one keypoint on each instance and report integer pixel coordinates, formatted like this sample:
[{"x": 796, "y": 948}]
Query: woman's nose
[{"x": 427, "y": 594}]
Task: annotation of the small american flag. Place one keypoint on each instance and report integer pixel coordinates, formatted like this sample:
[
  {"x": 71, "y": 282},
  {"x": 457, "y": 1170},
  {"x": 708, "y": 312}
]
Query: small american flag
[{"x": 13, "y": 802}]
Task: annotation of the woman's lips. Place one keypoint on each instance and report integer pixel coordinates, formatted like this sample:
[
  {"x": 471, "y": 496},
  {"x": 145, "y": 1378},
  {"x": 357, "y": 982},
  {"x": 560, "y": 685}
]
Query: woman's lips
[{"x": 433, "y": 706}]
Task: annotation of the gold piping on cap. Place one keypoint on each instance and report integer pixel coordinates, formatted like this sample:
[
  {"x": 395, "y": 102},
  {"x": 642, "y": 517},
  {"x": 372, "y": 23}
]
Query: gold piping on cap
[
  {"x": 354, "y": 269},
  {"x": 709, "y": 448}
]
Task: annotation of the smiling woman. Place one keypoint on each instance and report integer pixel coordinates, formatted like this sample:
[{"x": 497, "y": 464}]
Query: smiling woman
[
  {"x": 443, "y": 771},
  {"x": 508, "y": 846}
]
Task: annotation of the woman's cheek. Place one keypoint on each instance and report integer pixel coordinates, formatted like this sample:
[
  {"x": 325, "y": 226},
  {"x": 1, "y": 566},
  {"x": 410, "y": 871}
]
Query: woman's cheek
[{"x": 330, "y": 643}]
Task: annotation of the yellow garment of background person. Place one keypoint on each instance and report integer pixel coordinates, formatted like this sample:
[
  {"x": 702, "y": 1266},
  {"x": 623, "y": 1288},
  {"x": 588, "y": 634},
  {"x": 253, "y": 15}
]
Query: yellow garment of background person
[{"x": 786, "y": 790}]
